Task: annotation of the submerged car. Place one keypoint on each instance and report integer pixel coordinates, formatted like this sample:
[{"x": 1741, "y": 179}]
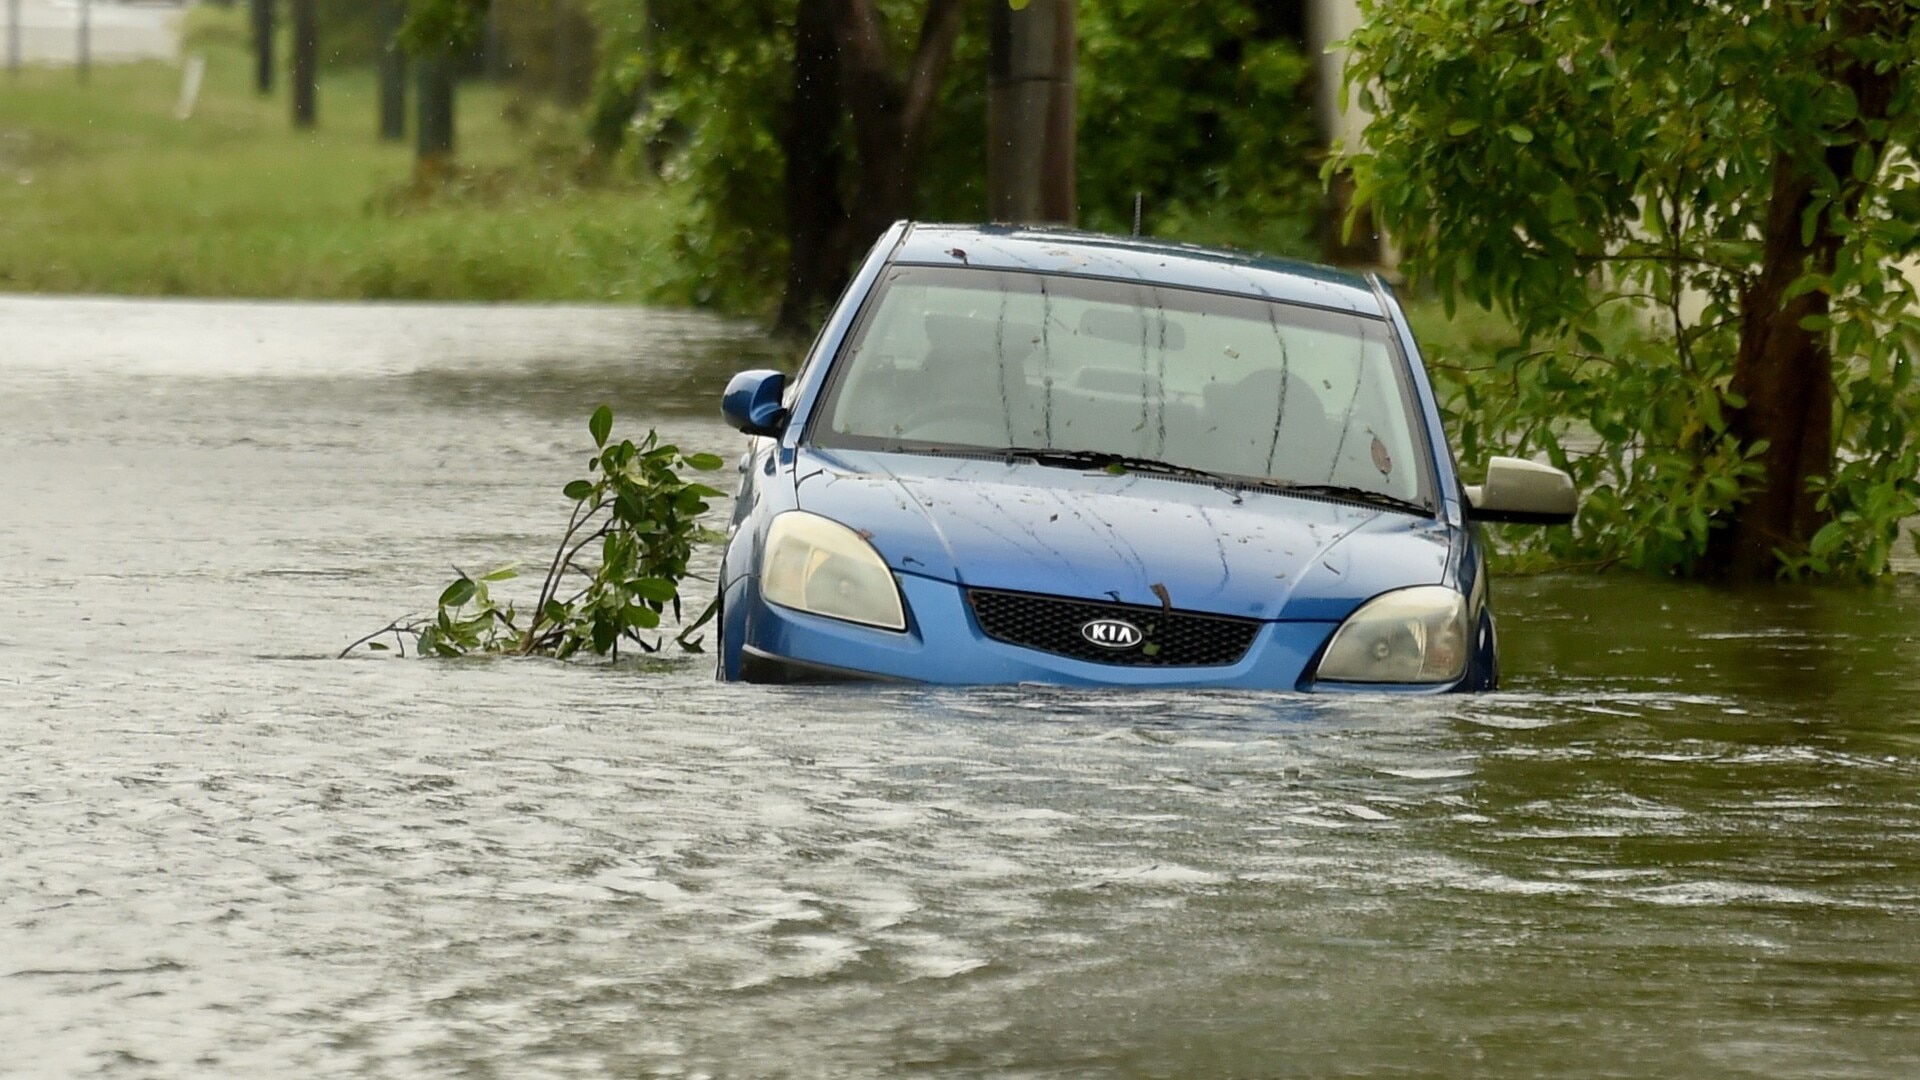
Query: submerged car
[{"x": 1028, "y": 455}]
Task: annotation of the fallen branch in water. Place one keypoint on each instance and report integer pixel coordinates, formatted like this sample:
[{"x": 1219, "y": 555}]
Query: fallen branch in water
[{"x": 643, "y": 514}]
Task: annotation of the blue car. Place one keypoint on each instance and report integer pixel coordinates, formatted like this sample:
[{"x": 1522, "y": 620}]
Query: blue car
[{"x": 1020, "y": 455}]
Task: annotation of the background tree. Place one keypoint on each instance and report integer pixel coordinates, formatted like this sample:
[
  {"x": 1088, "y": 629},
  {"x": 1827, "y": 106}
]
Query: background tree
[
  {"x": 391, "y": 63},
  {"x": 306, "y": 61},
  {"x": 1722, "y": 191},
  {"x": 437, "y": 34},
  {"x": 1202, "y": 106},
  {"x": 1205, "y": 109},
  {"x": 261, "y": 12}
]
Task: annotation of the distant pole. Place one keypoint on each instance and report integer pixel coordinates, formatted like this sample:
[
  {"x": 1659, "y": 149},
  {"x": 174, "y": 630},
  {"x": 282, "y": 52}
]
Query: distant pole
[
  {"x": 85, "y": 59},
  {"x": 13, "y": 37},
  {"x": 306, "y": 50},
  {"x": 1030, "y": 120},
  {"x": 393, "y": 72},
  {"x": 262, "y": 12}
]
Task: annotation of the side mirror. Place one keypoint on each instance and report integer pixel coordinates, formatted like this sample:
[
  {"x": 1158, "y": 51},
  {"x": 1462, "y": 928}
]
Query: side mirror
[
  {"x": 752, "y": 402},
  {"x": 1523, "y": 491}
]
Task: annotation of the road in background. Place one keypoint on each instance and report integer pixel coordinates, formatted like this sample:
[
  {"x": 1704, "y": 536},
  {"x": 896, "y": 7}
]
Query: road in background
[{"x": 50, "y": 31}]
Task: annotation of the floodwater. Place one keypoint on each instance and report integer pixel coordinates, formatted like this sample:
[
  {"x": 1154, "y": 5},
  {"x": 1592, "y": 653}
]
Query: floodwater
[{"x": 1685, "y": 841}]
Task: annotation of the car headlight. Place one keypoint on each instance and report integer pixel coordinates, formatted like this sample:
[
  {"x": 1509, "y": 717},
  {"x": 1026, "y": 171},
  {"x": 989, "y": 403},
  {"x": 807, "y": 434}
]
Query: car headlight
[
  {"x": 818, "y": 565},
  {"x": 1416, "y": 635}
]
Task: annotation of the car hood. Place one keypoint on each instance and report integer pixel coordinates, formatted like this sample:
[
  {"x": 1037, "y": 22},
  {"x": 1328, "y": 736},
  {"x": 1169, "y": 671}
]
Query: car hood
[{"x": 1129, "y": 538}]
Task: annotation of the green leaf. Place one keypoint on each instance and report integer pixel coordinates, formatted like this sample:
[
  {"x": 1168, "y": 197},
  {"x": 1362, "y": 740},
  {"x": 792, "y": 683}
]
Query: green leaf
[
  {"x": 605, "y": 633},
  {"x": 578, "y": 490},
  {"x": 1519, "y": 133},
  {"x": 601, "y": 424},
  {"x": 658, "y": 590},
  {"x": 457, "y": 593},
  {"x": 505, "y": 573},
  {"x": 704, "y": 462},
  {"x": 1463, "y": 127}
]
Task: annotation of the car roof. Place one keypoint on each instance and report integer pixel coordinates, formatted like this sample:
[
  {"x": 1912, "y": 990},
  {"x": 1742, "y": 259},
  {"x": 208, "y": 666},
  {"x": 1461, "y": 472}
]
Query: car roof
[{"x": 1085, "y": 254}]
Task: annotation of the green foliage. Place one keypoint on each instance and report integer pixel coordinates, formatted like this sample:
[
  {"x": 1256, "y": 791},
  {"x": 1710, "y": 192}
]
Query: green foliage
[
  {"x": 719, "y": 74},
  {"x": 1645, "y": 443},
  {"x": 443, "y": 27},
  {"x": 1600, "y": 171},
  {"x": 1203, "y": 108},
  {"x": 636, "y": 515}
]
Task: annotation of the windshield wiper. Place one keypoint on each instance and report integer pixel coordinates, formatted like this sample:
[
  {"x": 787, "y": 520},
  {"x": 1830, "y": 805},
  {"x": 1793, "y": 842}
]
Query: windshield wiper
[
  {"x": 1232, "y": 485},
  {"x": 1350, "y": 494},
  {"x": 1120, "y": 463}
]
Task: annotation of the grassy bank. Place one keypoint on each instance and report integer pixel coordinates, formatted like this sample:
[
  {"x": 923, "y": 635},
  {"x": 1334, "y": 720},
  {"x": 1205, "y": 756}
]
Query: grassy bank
[{"x": 102, "y": 190}]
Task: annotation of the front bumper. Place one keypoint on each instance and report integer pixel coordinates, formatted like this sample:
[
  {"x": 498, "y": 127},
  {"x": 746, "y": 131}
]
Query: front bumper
[{"x": 943, "y": 644}]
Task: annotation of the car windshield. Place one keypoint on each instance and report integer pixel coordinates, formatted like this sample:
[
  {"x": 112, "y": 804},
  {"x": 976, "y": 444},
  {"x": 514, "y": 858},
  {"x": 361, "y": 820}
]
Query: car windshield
[{"x": 986, "y": 360}]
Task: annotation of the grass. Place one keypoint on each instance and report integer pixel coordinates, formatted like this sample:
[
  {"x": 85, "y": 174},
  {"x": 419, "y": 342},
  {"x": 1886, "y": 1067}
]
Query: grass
[{"x": 102, "y": 190}]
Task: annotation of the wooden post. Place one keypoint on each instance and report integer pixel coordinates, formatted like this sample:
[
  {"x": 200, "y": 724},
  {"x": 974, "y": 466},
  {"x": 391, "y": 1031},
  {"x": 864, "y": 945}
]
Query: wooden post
[
  {"x": 306, "y": 50},
  {"x": 1030, "y": 115}
]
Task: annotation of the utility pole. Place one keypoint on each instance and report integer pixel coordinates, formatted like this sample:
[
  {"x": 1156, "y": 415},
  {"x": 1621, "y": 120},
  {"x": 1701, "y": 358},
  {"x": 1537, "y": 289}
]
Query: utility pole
[
  {"x": 1030, "y": 117},
  {"x": 306, "y": 56}
]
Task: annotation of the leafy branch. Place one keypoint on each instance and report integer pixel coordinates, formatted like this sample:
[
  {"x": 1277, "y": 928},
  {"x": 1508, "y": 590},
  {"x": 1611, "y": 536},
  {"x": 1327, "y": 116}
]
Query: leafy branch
[{"x": 634, "y": 511}]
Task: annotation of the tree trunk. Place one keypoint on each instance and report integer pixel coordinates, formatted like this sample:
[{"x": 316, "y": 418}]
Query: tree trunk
[
  {"x": 393, "y": 72},
  {"x": 889, "y": 128},
  {"x": 262, "y": 12},
  {"x": 306, "y": 56},
  {"x": 434, "y": 137},
  {"x": 560, "y": 54},
  {"x": 1783, "y": 372},
  {"x": 817, "y": 253},
  {"x": 890, "y": 113},
  {"x": 1785, "y": 375}
]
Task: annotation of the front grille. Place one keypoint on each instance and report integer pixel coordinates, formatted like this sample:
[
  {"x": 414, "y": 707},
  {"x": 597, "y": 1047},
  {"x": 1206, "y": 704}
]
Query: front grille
[{"x": 1168, "y": 638}]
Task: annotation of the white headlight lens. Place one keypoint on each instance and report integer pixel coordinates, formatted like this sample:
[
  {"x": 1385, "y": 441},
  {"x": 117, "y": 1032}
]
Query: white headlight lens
[
  {"x": 1416, "y": 635},
  {"x": 818, "y": 565}
]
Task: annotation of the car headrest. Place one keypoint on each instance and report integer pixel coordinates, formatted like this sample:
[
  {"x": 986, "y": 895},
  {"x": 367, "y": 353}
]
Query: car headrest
[
  {"x": 1260, "y": 390},
  {"x": 965, "y": 335},
  {"x": 1133, "y": 326}
]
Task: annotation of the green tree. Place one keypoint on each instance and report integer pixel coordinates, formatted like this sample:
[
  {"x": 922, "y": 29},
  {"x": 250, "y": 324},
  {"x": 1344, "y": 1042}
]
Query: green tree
[
  {"x": 1201, "y": 108},
  {"x": 1723, "y": 192},
  {"x": 801, "y": 127}
]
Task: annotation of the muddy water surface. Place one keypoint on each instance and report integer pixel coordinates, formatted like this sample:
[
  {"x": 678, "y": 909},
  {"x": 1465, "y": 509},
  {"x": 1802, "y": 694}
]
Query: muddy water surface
[{"x": 1684, "y": 841}]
